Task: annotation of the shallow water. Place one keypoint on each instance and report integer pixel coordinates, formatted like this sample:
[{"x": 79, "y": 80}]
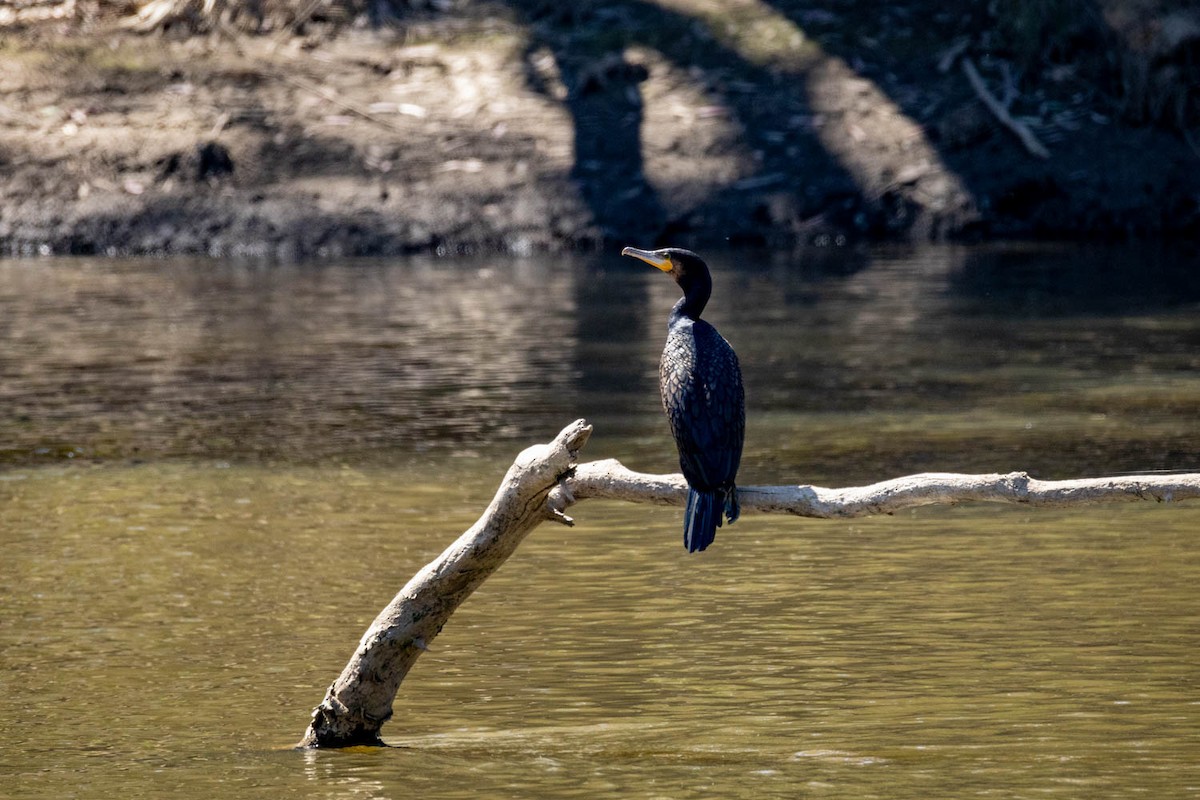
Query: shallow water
[{"x": 216, "y": 475}]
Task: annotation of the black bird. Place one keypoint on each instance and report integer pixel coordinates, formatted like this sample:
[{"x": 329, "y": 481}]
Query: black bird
[{"x": 701, "y": 386}]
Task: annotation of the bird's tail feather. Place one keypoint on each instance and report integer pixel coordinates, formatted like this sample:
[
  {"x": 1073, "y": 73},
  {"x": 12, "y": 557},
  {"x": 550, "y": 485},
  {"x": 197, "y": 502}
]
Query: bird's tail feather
[
  {"x": 701, "y": 519},
  {"x": 732, "y": 509}
]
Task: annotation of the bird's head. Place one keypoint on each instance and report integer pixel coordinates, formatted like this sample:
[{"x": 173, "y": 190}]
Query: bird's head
[{"x": 687, "y": 268}]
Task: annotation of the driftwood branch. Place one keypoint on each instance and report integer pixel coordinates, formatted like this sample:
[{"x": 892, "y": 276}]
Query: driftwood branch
[
  {"x": 545, "y": 480},
  {"x": 360, "y": 700},
  {"x": 27, "y": 12},
  {"x": 612, "y": 481},
  {"x": 999, "y": 109}
]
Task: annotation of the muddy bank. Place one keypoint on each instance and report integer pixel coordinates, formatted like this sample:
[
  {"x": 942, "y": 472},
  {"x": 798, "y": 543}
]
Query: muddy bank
[{"x": 512, "y": 127}]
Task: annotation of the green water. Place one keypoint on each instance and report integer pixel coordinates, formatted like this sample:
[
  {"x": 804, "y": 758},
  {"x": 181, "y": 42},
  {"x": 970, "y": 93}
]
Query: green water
[{"x": 215, "y": 476}]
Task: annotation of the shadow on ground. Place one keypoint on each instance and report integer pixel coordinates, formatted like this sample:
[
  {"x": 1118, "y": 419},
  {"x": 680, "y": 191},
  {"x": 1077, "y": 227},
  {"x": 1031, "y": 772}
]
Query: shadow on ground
[
  {"x": 858, "y": 124},
  {"x": 526, "y": 125}
]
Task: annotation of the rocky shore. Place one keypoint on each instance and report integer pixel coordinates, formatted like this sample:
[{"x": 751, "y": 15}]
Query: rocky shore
[{"x": 516, "y": 128}]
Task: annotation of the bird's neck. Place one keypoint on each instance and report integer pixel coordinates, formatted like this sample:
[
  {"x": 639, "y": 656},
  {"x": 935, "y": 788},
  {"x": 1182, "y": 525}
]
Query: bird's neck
[
  {"x": 695, "y": 298},
  {"x": 682, "y": 311}
]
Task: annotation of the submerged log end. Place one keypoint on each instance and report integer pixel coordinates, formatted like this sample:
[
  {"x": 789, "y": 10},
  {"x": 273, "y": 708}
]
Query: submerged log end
[
  {"x": 332, "y": 731},
  {"x": 333, "y": 725}
]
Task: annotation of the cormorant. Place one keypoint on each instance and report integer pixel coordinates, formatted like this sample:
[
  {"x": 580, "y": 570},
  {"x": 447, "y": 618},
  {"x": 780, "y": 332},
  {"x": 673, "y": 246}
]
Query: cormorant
[{"x": 701, "y": 386}]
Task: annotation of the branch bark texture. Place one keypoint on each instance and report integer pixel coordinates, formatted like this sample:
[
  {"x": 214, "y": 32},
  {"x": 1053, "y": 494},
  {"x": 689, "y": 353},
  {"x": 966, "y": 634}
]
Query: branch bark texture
[
  {"x": 360, "y": 700},
  {"x": 611, "y": 480},
  {"x": 545, "y": 480}
]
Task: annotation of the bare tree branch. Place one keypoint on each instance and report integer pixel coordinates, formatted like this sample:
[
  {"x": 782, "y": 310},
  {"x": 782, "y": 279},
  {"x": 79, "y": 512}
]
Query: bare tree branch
[
  {"x": 360, "y": 700},
  {"x": 1000, "y": 109},
  {"x": 611, "y": 480},
  {"x": 544, "y": 481},
  {"x": 33, "y": 11}
]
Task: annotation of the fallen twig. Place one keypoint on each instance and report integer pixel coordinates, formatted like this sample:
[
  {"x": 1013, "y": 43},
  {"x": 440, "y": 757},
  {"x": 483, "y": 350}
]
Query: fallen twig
[{"x": 1000, "y": 111}]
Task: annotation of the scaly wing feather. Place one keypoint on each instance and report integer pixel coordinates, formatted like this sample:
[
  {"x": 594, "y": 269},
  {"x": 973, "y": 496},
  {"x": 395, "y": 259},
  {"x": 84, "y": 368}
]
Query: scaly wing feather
[{"x": 702, "y": 393}]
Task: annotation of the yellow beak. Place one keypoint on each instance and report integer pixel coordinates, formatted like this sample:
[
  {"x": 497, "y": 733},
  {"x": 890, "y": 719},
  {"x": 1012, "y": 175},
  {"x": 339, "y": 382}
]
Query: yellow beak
[{"x": 655, "y": 258}]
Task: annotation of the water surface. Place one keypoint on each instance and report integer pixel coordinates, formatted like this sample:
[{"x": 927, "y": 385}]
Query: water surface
[{"x": 215, "y": 475}]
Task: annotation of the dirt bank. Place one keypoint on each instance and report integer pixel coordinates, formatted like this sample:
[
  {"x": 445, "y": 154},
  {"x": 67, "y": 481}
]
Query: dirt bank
[{"x": 512, "y": 127}]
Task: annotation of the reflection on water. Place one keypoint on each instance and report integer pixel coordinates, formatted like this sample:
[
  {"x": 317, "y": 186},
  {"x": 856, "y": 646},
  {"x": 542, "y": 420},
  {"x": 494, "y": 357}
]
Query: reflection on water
[
  {"x": 215, "y": 475},
  {"x": 282, "y": 362},
  {"x": 380, "y": 363}
]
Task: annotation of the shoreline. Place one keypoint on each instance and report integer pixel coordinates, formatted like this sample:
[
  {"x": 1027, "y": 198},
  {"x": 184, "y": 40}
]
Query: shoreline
[{"x": 527, "y": 136}]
